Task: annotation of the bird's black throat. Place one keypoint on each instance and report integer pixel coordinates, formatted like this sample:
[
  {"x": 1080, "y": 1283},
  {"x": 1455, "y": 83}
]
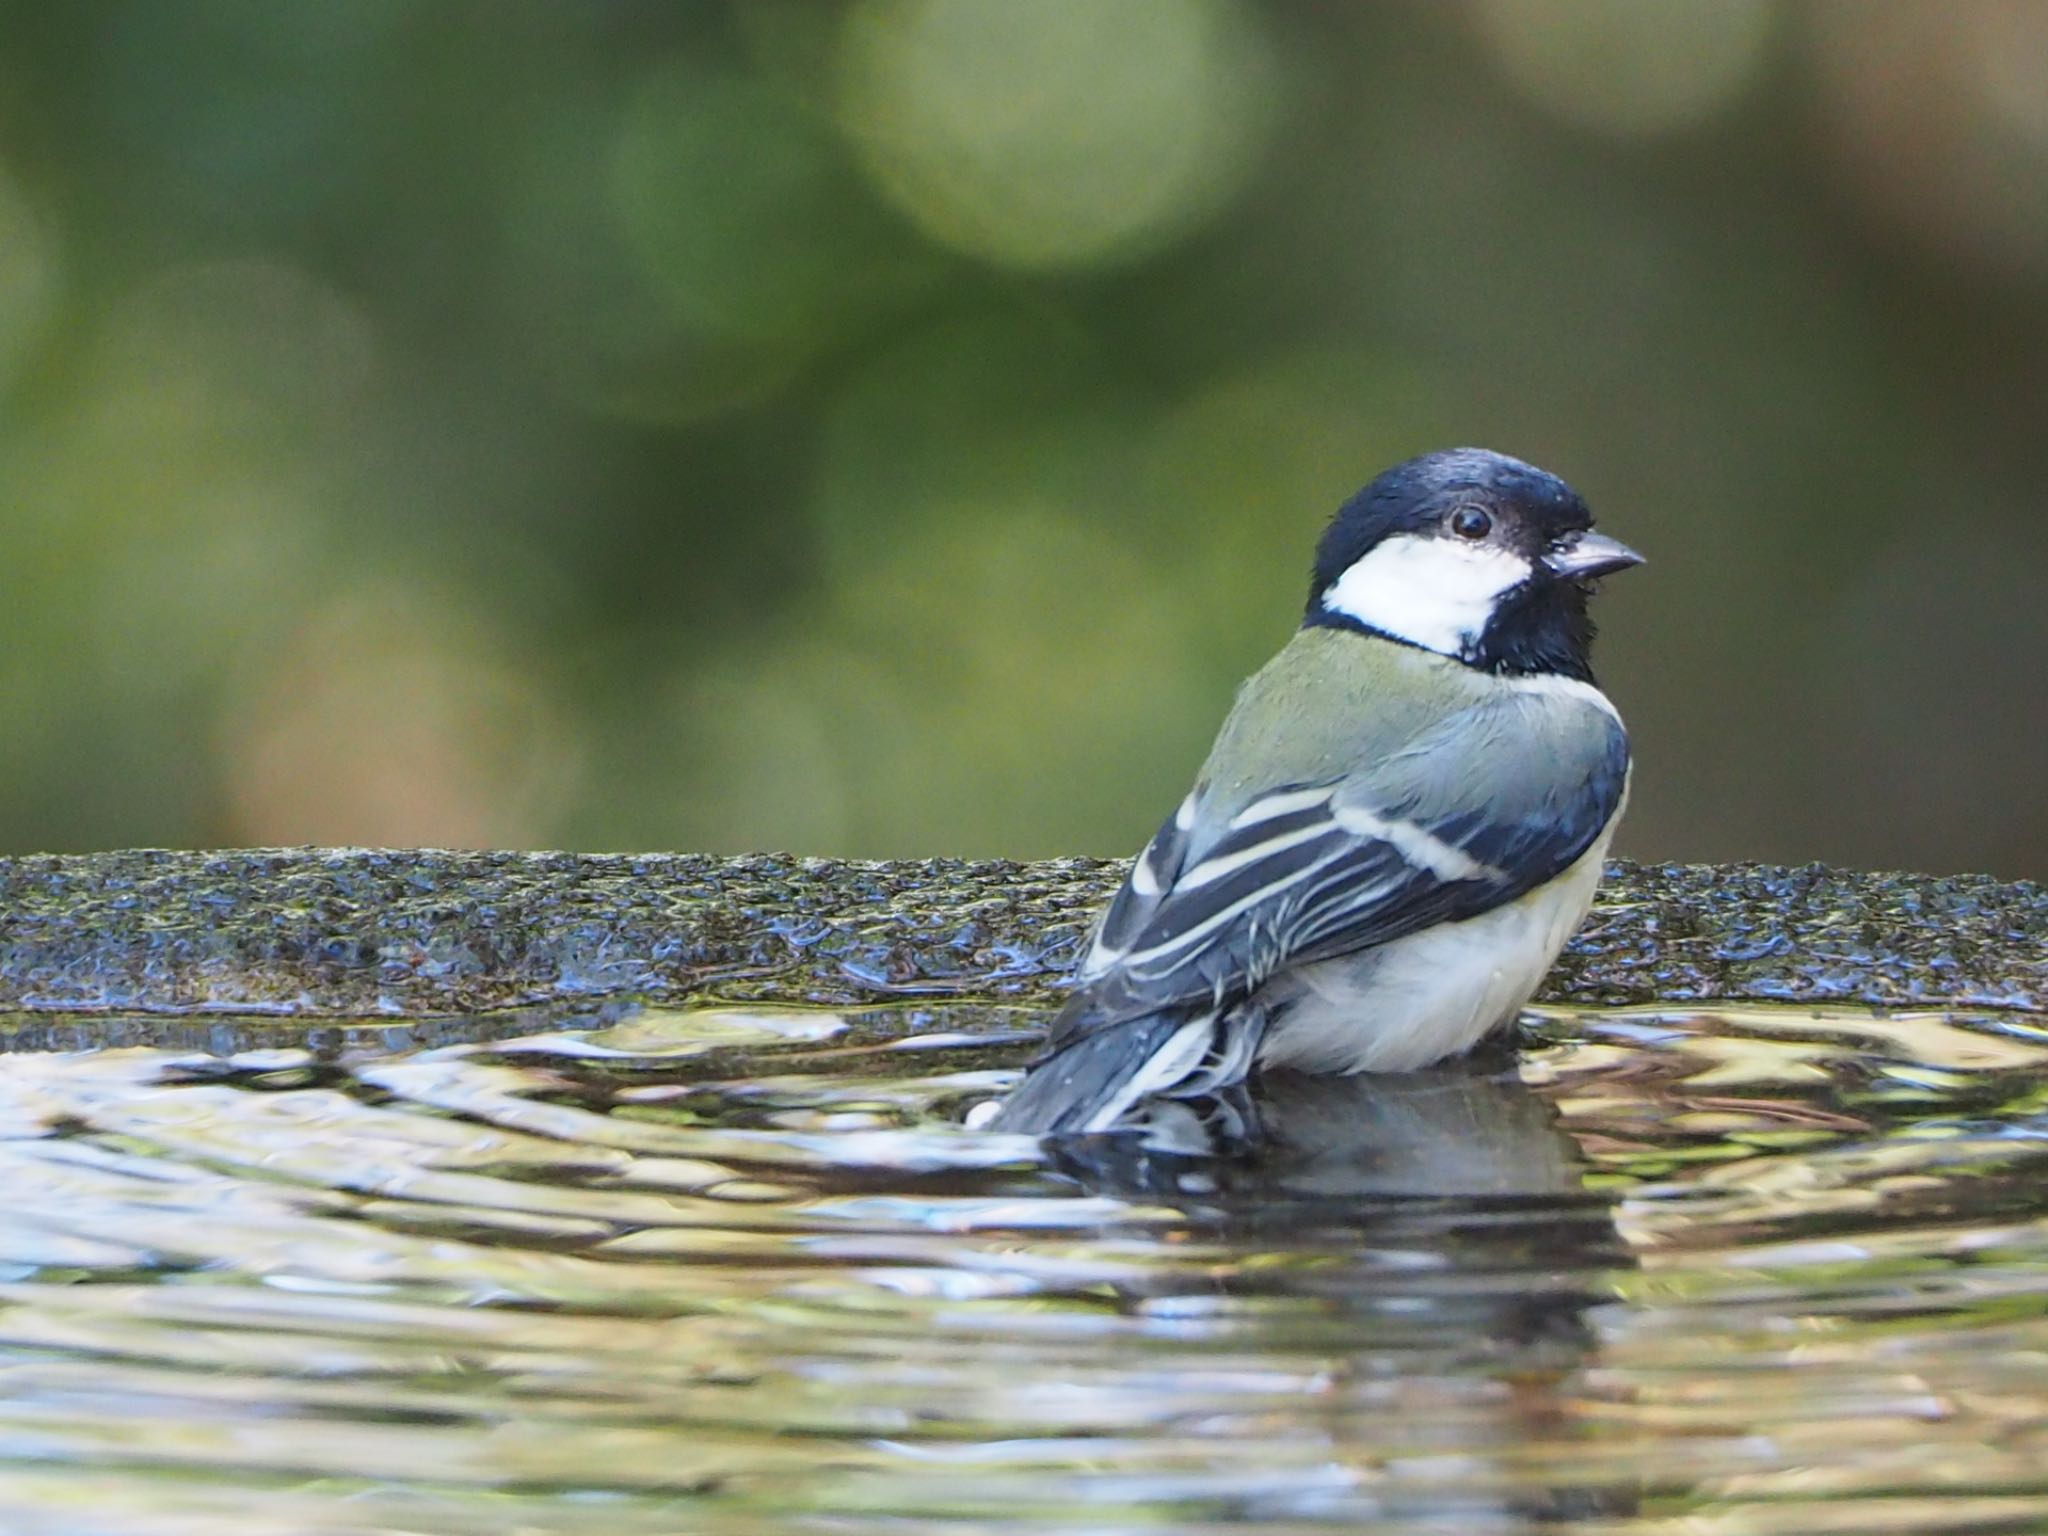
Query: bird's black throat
[{"x": 1539, "y": 627}]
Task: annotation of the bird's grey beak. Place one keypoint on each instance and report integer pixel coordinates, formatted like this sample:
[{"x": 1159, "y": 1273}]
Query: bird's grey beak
[{"x": 1590, "y": 555}]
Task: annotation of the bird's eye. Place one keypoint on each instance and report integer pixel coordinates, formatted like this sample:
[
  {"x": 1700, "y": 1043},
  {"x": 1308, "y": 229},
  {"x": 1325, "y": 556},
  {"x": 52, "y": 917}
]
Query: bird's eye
[{"x": 1471, "y": 523}]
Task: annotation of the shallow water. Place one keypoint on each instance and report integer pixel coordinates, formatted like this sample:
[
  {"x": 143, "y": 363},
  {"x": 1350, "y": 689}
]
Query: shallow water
[{"x": 1753, "y": 1271}]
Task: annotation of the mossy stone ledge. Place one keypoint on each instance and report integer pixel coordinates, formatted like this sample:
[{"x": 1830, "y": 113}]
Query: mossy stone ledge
[{"x": 310, "y": 932}]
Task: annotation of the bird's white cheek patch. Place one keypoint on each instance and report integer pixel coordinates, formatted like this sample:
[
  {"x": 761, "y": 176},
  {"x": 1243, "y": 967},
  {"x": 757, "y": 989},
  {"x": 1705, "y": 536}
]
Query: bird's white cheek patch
[{"x": 1432, "y": 592}]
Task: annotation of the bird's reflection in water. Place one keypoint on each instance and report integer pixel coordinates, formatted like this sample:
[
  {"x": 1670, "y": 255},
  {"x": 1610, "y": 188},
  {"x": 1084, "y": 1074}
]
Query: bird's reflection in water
[
  {"x": 1470, "y": 1130},
  {"x": 1441, "y": 1218}
]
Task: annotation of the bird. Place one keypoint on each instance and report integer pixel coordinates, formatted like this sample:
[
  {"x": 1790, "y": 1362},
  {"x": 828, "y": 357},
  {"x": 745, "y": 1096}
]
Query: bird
[{"x": 1401, "y": 822}]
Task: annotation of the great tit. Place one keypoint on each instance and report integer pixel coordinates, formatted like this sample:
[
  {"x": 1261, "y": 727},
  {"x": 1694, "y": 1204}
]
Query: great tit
[{"x": 1400, "y": 824}]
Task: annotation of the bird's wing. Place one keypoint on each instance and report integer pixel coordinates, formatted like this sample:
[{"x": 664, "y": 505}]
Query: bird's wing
[{"x": 1486, "y": 806}]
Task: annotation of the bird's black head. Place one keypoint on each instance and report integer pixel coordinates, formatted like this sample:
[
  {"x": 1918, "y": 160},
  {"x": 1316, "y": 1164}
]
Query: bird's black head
[{"x": 1472, "y": 554}]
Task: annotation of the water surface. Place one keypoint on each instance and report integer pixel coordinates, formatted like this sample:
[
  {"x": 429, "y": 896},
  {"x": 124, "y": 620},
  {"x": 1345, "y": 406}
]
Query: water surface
[{"x": 718, "y": 1270}]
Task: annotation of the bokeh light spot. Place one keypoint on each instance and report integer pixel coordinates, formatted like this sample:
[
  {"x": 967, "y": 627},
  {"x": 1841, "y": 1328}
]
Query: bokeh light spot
[
  {"x": 181, "y": 492},
  {"x": 2007, "y": 47},
  {"x": 394, "y": 718},
  {"x": 1010, "y": 682},
  {"x": 1254, "y": 464},
  {"x": 764, "y": 746},
  {"x": 1044, "y": 669},
  {"x": 260, "y": 337},
  {"x": 29, "y": 272},
  {"x": 744, "y": 212},
  {"x": 576, "y": 295},
  {"x": 1061, "y": 132},
  {"x": 1628, "y": 67},
  {"x": 1940, "y": 117}
]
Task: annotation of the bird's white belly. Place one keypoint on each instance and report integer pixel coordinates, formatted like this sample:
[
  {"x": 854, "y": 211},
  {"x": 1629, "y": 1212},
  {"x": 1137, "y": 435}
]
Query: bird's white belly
[{"x": 1430, "y": 995}]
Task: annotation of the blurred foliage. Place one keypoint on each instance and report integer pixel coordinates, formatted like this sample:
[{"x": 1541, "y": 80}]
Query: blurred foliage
[{"x": 893, "y": 426}]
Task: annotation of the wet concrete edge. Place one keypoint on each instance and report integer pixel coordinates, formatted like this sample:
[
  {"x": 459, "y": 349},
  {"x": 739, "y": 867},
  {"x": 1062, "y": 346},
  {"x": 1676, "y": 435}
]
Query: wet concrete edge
[{"x": 356, "y": 932}]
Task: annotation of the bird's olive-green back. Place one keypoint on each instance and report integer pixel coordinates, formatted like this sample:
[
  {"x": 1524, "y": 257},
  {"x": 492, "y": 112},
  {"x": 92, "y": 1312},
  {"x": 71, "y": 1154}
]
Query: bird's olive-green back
[{"x": 1334, "y": 704}]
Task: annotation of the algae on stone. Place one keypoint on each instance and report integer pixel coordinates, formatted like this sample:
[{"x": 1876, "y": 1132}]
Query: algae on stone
[{"x": 357, "y": 932}]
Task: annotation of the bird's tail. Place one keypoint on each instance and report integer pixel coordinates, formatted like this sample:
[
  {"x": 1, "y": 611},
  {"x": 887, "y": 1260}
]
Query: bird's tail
[{"x": 1094, "y": 1079}]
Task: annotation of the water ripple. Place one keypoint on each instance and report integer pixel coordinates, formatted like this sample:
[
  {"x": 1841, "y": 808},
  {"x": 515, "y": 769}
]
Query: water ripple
[{"x": 1755, "y": 1270}]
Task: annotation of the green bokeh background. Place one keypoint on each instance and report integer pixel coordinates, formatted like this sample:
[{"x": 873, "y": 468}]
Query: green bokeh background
[{"x": 893, "y": 427}]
